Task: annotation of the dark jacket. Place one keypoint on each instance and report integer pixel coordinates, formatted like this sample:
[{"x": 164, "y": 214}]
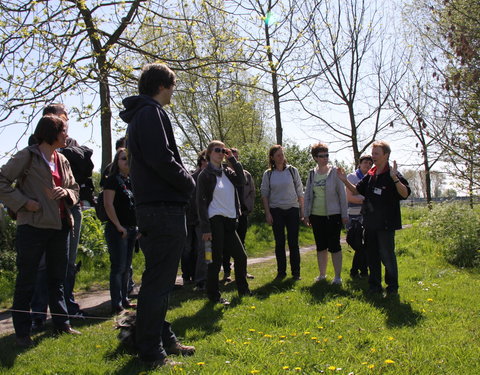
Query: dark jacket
[
  {"x": 207, "y": 181},
  {"x": 156, "y": 169},
  {"x": 381, "y": 211}
]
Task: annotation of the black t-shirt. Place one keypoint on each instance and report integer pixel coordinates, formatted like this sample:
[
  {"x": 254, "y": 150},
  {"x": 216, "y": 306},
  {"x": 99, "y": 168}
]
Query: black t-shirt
[{"x": 123, "y": 201}]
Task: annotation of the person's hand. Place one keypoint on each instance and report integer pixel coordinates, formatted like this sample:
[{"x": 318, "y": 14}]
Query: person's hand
[
  {"x": 341, "y": 174},
  {"x": 269, "y": 218},
  {"x": 207, "y": 237},
  {"x": 306, "y": 221},
  {"x": 57, "y": 193},
  {"x": 228, "y": 153},
  {"x": 32, "y": 206},
  {"x": 393, "y": 170},
  {"x": 123, "y": 231}
]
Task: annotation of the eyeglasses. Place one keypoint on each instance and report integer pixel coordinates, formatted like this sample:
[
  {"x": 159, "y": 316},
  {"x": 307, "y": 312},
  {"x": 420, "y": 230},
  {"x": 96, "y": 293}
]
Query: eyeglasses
[
  {"x": 322, "y": 155},
  {"x": 220, "y": 150}
]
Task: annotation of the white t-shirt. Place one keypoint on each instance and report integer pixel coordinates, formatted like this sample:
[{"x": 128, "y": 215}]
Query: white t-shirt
[{"x": 223, "y": 201}]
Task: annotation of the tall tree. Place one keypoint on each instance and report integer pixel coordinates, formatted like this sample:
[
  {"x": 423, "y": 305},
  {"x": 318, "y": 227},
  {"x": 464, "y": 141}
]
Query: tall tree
[{"x": 358, "y": 58}]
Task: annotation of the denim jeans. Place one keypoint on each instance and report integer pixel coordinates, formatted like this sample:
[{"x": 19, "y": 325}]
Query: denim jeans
[
  {"x": 164, "y": 232},
  {"x": 289, "y": 219},
  {"x": 380, "y": 246},
  {"x": 224, "y": 236},
  {"x": 31, "y": 243},
  {"x": 74, "y": 239},
  {"x": 39, "y": 303},
  {"x": 121, "y": 251}
]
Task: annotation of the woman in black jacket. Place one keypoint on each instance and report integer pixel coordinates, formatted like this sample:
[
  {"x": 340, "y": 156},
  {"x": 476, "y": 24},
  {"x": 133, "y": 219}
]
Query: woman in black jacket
[{"x": 218, "y": 210}]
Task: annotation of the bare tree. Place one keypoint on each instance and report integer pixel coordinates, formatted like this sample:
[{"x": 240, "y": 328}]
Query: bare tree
[{"x": 360, "y": 70}]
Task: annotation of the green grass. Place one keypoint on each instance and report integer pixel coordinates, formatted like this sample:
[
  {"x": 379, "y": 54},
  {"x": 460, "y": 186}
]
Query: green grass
[{"x": 305, "y": 326}]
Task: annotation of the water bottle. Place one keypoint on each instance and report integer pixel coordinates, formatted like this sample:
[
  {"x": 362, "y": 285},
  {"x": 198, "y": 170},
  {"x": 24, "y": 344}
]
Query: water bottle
[{"x": 208, "y": 252}]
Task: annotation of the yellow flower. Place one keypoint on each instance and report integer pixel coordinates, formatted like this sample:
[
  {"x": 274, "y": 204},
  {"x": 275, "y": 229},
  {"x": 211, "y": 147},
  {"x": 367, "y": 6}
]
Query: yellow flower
[
  {"x": 320, "y": 327},
  {"x": 314, "y": 338},
  {"x": 246, "y": 343},
  {"x": 298, "y": 369},
  {"x": 253, "y": 307},
  {"x": 373, "y": 350},
  {"x": 340, "y": 337},
  {"x": 285, "y": 367},
  {"x": 283, "y": 337},
  {"x": 430, "y": 300},
  {"x": 339, "y": 305},
  {"x": 391, "y": 338},
  {"x": 306, "y": 333},
  {"x": 371, "y": 366},
  {"x": 267, "y": 335},
  {"x": 325, "y": 340},
  {"x": 228, "y": 340},
  {"x": 389, "y": 361},
  {"x": 251, "y": 330},
  {"x": 201, "y": 363},
  {"x": 333, "y": 368},
  {"x": 255, "y": 372},
  {"x": 364, "y": 363}
]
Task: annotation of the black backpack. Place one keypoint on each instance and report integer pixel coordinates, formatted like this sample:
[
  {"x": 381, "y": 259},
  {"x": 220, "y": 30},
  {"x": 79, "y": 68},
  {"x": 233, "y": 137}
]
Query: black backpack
[{"x": 355, "y": 235}]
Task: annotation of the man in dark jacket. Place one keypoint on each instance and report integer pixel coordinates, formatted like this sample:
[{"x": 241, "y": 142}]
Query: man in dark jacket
[
  {"x": 383, "y": 187},
  {"x": 162, "y": 188}
]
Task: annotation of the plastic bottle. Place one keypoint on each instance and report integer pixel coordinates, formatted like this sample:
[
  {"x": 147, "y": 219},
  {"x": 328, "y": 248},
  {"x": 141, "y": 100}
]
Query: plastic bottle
[{"x": 208, "y": 252}]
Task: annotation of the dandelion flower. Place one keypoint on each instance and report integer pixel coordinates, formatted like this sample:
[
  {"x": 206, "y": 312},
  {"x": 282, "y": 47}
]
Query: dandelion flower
[
  {"x": 373, "y": 350},
  {"x": 298, "y": 369},
  {"x": 371, "y": 366},
  {"x": 306, "y": 333},
  {"x": 333, "y": 368},
  {"x": 391, "y": 338},
  {"x": 246, "y": 343},
  {"x": 340, "y": 337},
  {"x": 267, "y": 335},
  {"x": 285, "y": 367},
  {"x": 255, "y": 372},
  {"x": 430, "y": 299},
  {"x": 364, "y": 363},
  {"x": 325, "y": 340},
  {"x": 253, "y": 307},
  {"x": 200, "y": 363},
  {"x": 283, "y": 337},
  {"x": 314, "y": 338},
  {"x": 339, "y": 305},
  {"x": 228, "y": 340},
  {"x": 320, "y": 327},
  {"x": 389, "y": 361},
  {"x": 251, "y": 330}
]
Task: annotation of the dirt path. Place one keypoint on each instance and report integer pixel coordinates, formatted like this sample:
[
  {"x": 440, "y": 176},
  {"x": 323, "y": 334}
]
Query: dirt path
[{"x": 98, "y": 302}]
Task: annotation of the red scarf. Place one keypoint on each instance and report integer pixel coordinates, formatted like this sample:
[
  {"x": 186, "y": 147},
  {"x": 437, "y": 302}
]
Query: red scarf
[{"x": 373, "y": 170}]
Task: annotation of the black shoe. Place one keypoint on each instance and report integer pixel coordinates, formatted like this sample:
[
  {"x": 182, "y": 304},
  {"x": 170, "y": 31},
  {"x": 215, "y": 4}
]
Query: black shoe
[
  {"x": 250, "y": 276},
  {"x": 23, "y": 342},
  {"x": 280, "y": 277},
  {"x": 38, "y": 325}
]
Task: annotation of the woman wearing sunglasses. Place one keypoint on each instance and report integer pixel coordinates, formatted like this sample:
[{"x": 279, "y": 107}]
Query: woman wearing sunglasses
[
  {"x": 218, "y": 210},
  {"x": 120, "y": 230},
  {"x": 326, "y": 211}
]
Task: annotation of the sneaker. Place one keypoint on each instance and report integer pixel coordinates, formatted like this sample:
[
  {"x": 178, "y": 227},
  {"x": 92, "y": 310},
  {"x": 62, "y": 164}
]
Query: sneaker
[
  {"x": 179, "y": 349},
  {"x": 320, "y": 278},
  {"x": 227, "y": 279},
  {"x": 337, "y": 281},
  {"x": 250, "y": 276}
]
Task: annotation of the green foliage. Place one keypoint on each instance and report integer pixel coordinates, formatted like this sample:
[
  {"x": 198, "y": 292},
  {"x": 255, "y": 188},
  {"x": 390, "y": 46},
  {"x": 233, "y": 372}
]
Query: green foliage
[
  {"x": 7, "y": 242},
  {"x": 92, "y": 242},
  {"x": 456, "y": 228}
]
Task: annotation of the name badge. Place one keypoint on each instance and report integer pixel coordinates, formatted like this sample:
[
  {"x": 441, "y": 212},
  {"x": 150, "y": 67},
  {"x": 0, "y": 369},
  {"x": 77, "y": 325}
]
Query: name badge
[{"x": 377, "y": 191}]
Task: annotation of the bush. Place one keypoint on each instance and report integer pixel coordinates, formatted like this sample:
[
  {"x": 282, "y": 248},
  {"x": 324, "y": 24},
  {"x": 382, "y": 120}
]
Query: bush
[
  {"x": 456, "y": 228},
  {"x": 7, "y": 243},
  {"x": 92, "y": 241}
]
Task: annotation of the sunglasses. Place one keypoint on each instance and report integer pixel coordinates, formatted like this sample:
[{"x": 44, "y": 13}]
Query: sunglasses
[
  {"x": 220, "y": 150},
  {"x": 322, "y": 155}
]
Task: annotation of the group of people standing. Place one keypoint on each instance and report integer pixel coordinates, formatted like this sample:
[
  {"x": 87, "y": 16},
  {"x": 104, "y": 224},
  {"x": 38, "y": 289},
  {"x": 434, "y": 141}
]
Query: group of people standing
[{"x": 147, "y": 193}]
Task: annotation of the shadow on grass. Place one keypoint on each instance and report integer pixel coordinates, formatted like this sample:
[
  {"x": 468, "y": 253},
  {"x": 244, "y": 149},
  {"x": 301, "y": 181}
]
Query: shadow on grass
[
  {"x": 398, "y": 313},
  {"x": 274, "y": 287},
  {"x": 322, "y": 291}
]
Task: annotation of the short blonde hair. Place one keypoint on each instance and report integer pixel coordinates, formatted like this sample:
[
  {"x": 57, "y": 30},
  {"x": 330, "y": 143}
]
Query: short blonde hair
[{"x": 383, "y": 145}]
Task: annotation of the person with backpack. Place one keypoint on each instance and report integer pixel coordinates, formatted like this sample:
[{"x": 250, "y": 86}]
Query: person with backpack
[
  {"x": 355, "y": 227},
  {"x": 326, "y": 212},
  {"x": 282, "y": 197},
  {"x": 44, "y": 193}
]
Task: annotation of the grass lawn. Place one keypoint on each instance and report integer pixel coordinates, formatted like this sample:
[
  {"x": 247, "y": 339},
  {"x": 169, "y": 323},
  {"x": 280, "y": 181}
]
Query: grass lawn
[{"x": 298, "y": 327}]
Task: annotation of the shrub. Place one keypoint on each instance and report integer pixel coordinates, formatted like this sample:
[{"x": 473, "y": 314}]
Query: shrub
[
  {"x": 7, "y": 243},
  {"x": 456, "y": 228}
]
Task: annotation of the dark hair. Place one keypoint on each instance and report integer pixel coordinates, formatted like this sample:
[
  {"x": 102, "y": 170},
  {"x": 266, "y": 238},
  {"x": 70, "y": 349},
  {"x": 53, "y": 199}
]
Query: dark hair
[
  {"x": 55, "y": 109},
  {"x": 318, "y": 147},
  {"x": 48, "y": 129},
  {"x": 211, "y": 146},
  {"x": 120, "y": 143},
  {"x": 365, "y": 157},
  {"x": 114, "y": 170},
  {"x": 201, "y": 157},
  {"x": 32, "y": 140},
  {"x": 153, "y": 77},
  {"x": 272, "y": 152}
]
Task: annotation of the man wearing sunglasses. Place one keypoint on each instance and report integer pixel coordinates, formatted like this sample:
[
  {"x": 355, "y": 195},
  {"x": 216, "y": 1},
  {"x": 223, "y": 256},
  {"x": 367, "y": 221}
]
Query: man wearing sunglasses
[{"x": 162, "y": 188}]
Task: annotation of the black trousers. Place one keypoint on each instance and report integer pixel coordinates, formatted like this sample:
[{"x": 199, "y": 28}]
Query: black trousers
[
  {"x": 242, "y": 232},
  {"x": 224, "y": 236}
]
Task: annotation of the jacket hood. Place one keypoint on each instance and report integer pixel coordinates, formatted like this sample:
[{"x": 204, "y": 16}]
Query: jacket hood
[{"x": 133, "y": 104}]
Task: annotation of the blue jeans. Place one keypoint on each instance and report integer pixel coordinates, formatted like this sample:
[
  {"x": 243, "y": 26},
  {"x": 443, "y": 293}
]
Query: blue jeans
[
  {"x": 121, "y": 251},
  {"x": 289, "y": 219},
  {"x": 31, "y": 243},
  {"x": 380, "y": 246},
  {"x": 74, "y": 239},
  {"x": 164, "y": 232}
]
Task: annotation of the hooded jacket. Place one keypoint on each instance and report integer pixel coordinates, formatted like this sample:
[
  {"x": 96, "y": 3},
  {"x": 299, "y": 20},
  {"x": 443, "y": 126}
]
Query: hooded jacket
[
  {"x": 29, "y": 168},
  {"x": 156, "y": 169}
]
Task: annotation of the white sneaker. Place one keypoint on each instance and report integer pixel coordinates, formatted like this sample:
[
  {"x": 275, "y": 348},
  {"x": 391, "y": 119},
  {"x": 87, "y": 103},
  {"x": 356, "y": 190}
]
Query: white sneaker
[
  {"x": 337, "y": 281},
  {"x": 320, "y": 278}
]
